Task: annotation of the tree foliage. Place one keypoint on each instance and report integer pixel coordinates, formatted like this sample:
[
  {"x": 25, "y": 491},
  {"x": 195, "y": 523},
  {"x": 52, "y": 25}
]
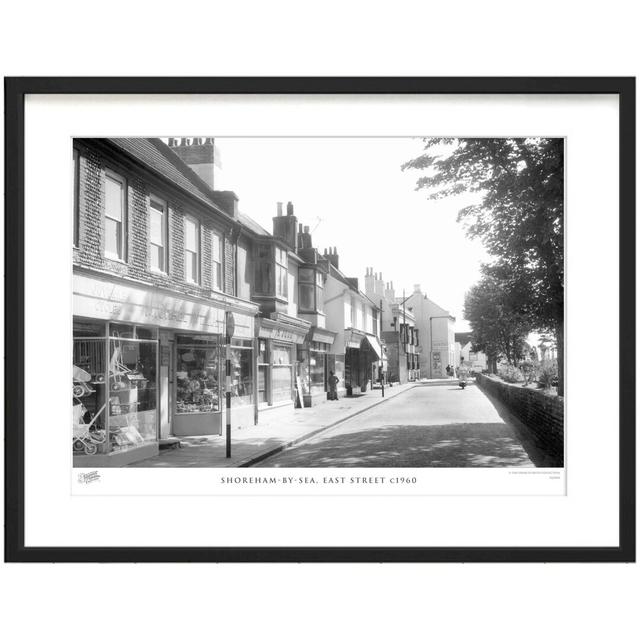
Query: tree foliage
[
  {"x": 499, "y": 325},
  {"x": 519, "y": 217}
]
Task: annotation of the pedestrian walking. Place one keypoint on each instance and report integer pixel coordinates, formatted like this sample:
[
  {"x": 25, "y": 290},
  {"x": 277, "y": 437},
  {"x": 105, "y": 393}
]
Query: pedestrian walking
[
  {"x": 333, "y": 385},
  {"x": 449, "y": 369}
]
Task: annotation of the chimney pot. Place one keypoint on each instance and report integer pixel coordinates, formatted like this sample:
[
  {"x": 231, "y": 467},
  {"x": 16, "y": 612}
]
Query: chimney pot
[
  {"x": 289, "y": 208},
  {"x": 279, "y": 207},
  {"x": 196, "y": 141},
  {"x": 306, "y": 229},
  {"x": 208, "y": 141},
  {"x": 183, "y": 142}
]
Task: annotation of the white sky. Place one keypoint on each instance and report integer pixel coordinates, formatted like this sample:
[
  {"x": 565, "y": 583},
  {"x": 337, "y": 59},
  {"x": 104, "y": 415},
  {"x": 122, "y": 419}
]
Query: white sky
[{"x": 353, "y": 192}]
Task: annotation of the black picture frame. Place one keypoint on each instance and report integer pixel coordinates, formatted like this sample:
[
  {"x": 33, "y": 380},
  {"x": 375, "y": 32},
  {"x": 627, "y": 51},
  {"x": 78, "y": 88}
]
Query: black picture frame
[{"x": 15, "y": 91}]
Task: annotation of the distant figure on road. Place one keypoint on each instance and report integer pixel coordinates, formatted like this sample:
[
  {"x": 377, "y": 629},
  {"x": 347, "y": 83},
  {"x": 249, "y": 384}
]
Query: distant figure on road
[
  {"x": 333, "y": 385},
  {"x": 450, "y": 371}
]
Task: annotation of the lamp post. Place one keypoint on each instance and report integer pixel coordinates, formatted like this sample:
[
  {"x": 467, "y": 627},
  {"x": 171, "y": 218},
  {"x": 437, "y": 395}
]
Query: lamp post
[{"x": 229, "y": 329}]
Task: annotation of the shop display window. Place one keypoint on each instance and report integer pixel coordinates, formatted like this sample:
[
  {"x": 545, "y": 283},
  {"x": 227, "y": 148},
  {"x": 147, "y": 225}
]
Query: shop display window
[
  {"x": 317, "y": 369},
  {"x": 197, "y": 375},
  {"x": 132, "y": 392},
  {"x": 241, "y": 373},
  {"x": 281, "y": 373},
  {"x": 114, "y": 387},
  {"x": 89, "y": 398}
]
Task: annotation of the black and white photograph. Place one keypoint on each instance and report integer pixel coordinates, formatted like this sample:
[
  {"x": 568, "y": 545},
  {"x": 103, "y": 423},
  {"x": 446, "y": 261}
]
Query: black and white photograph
[{"x": 358, "y": 302}]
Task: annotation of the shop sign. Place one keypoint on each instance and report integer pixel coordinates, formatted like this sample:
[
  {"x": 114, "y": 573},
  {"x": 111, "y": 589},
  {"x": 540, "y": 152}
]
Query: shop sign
[
  {"x": 110, "y": 301},
  {"x": 278, "y": 333}
]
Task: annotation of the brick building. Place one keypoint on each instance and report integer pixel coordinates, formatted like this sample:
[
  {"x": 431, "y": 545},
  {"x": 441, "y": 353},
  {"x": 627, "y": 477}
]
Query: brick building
[{"x": 154, "y": 278}]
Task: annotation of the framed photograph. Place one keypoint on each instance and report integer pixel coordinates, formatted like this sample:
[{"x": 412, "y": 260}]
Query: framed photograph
[{"x": 320, "y": 319}]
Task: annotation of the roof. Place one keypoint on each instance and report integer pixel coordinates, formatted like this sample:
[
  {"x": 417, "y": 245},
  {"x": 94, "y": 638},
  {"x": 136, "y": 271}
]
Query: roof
[
  {"x": 252, "y": 225},
  {"x": 159, "y": 157},
  {"x": 336, "y": 273},
  {"x": 463, "y": 337}
]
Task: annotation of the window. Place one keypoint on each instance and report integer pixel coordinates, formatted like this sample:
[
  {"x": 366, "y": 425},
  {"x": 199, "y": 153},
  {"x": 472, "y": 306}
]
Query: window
[
  {"x": 281, "y": 273},
  {"x": 76, "y": 187},
  {"x": 310, "y": 290},
  {"x": 192, "y": 250},
  {"x": 115, "y": 216},
  {"x": 158, "y": 234},
  {"x": 216, "y": 261}
]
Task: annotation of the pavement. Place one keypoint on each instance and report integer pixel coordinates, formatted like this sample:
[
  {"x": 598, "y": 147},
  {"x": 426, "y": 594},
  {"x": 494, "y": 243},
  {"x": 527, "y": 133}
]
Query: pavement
[
  {"x": 277, "y": 429},
  {"x": 432, "y": 425}
]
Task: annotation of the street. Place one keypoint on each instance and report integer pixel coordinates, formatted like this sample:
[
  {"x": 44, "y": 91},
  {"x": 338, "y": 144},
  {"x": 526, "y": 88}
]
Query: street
[{"x": 428, "y": 426}]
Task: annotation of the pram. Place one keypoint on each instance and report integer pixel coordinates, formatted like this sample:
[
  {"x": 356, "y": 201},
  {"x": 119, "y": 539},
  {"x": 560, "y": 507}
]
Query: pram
[{"x": 83, "y": 435}]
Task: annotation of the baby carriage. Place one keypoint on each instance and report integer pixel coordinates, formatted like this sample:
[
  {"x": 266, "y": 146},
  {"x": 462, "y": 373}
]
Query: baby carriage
[{"x": 85, "y": 436}]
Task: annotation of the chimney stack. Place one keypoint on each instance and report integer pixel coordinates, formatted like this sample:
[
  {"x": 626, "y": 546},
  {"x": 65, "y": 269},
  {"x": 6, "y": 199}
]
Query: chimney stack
[
  {"x": 284, "y": 227},
  {"x": 369, "y": 282},
  {"x": 332, "y": 256},
  {"x": 198, "y": 156}
]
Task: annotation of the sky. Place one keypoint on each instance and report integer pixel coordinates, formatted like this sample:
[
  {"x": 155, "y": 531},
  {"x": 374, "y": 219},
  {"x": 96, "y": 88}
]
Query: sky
[{"x": 354, "y": 196}]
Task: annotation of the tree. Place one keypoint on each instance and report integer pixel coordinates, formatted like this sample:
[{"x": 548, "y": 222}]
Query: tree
[
  {"x": 499, "y": 327},
  {"x": 520, "y": 216}
]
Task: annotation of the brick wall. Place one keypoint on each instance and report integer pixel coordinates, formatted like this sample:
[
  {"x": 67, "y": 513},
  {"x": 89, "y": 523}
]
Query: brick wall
[
  {"x": 542, "y": 414},
  {"x": 90, "y": 249}
]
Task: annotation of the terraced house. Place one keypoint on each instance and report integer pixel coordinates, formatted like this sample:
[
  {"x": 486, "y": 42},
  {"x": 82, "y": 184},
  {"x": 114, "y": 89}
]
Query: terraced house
[{"x": 160, "y": 263}]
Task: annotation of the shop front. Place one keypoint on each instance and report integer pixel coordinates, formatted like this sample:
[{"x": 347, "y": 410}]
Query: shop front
[
  {"x": 315, "y": 364},
  {"x": 278, "y": 364},
  {"x": 149, "y": 365},
  {"x": 363, "y": 355}
]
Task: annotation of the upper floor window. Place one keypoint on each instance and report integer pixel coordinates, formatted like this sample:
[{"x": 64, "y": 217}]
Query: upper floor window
[
  {"x": 310, "y": 289},
  {"x": 216, "y": 261},
  {"x": 192, "y": 250},
  {"x": 115, "y": 216},
  {"x": 158, "y": 234},
  {"x": 76, "y": 187},
  {"x": 281, "y": 272}
]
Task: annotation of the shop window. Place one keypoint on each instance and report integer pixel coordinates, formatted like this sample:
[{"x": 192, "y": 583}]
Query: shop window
[
  {"x": 317, "y": 369},
  {"x": 158, "y": 234},
  {"x": 216, "y": 261},
  {"x": 132, "y": 392},
  {"x": 197, "y": 376},
  {"x": 192, "y": 250},
  {"x": 241, "y": 373},
  {"x": 115, "y": 217},
  {"x": 114, "y": 388},
  {"x": 281, "y": 373},
  {"x": 89, "y": 397}
]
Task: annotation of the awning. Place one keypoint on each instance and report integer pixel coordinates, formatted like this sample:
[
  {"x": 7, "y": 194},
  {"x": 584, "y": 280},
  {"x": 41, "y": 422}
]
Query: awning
[{"x": 374, "y": 345}]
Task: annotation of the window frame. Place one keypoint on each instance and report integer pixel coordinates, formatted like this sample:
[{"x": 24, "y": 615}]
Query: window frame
[
  {"x": 110, "y": 174},
  {"x": 165, "y": 233},
  {"x": 198, "y": 229},
  {"x": 217, "y": 286},
  {"x": 280, "y": 266}
]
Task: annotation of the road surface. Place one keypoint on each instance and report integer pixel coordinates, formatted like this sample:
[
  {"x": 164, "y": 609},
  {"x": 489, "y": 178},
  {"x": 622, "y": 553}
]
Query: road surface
[{"x": 428, "y": 426}]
